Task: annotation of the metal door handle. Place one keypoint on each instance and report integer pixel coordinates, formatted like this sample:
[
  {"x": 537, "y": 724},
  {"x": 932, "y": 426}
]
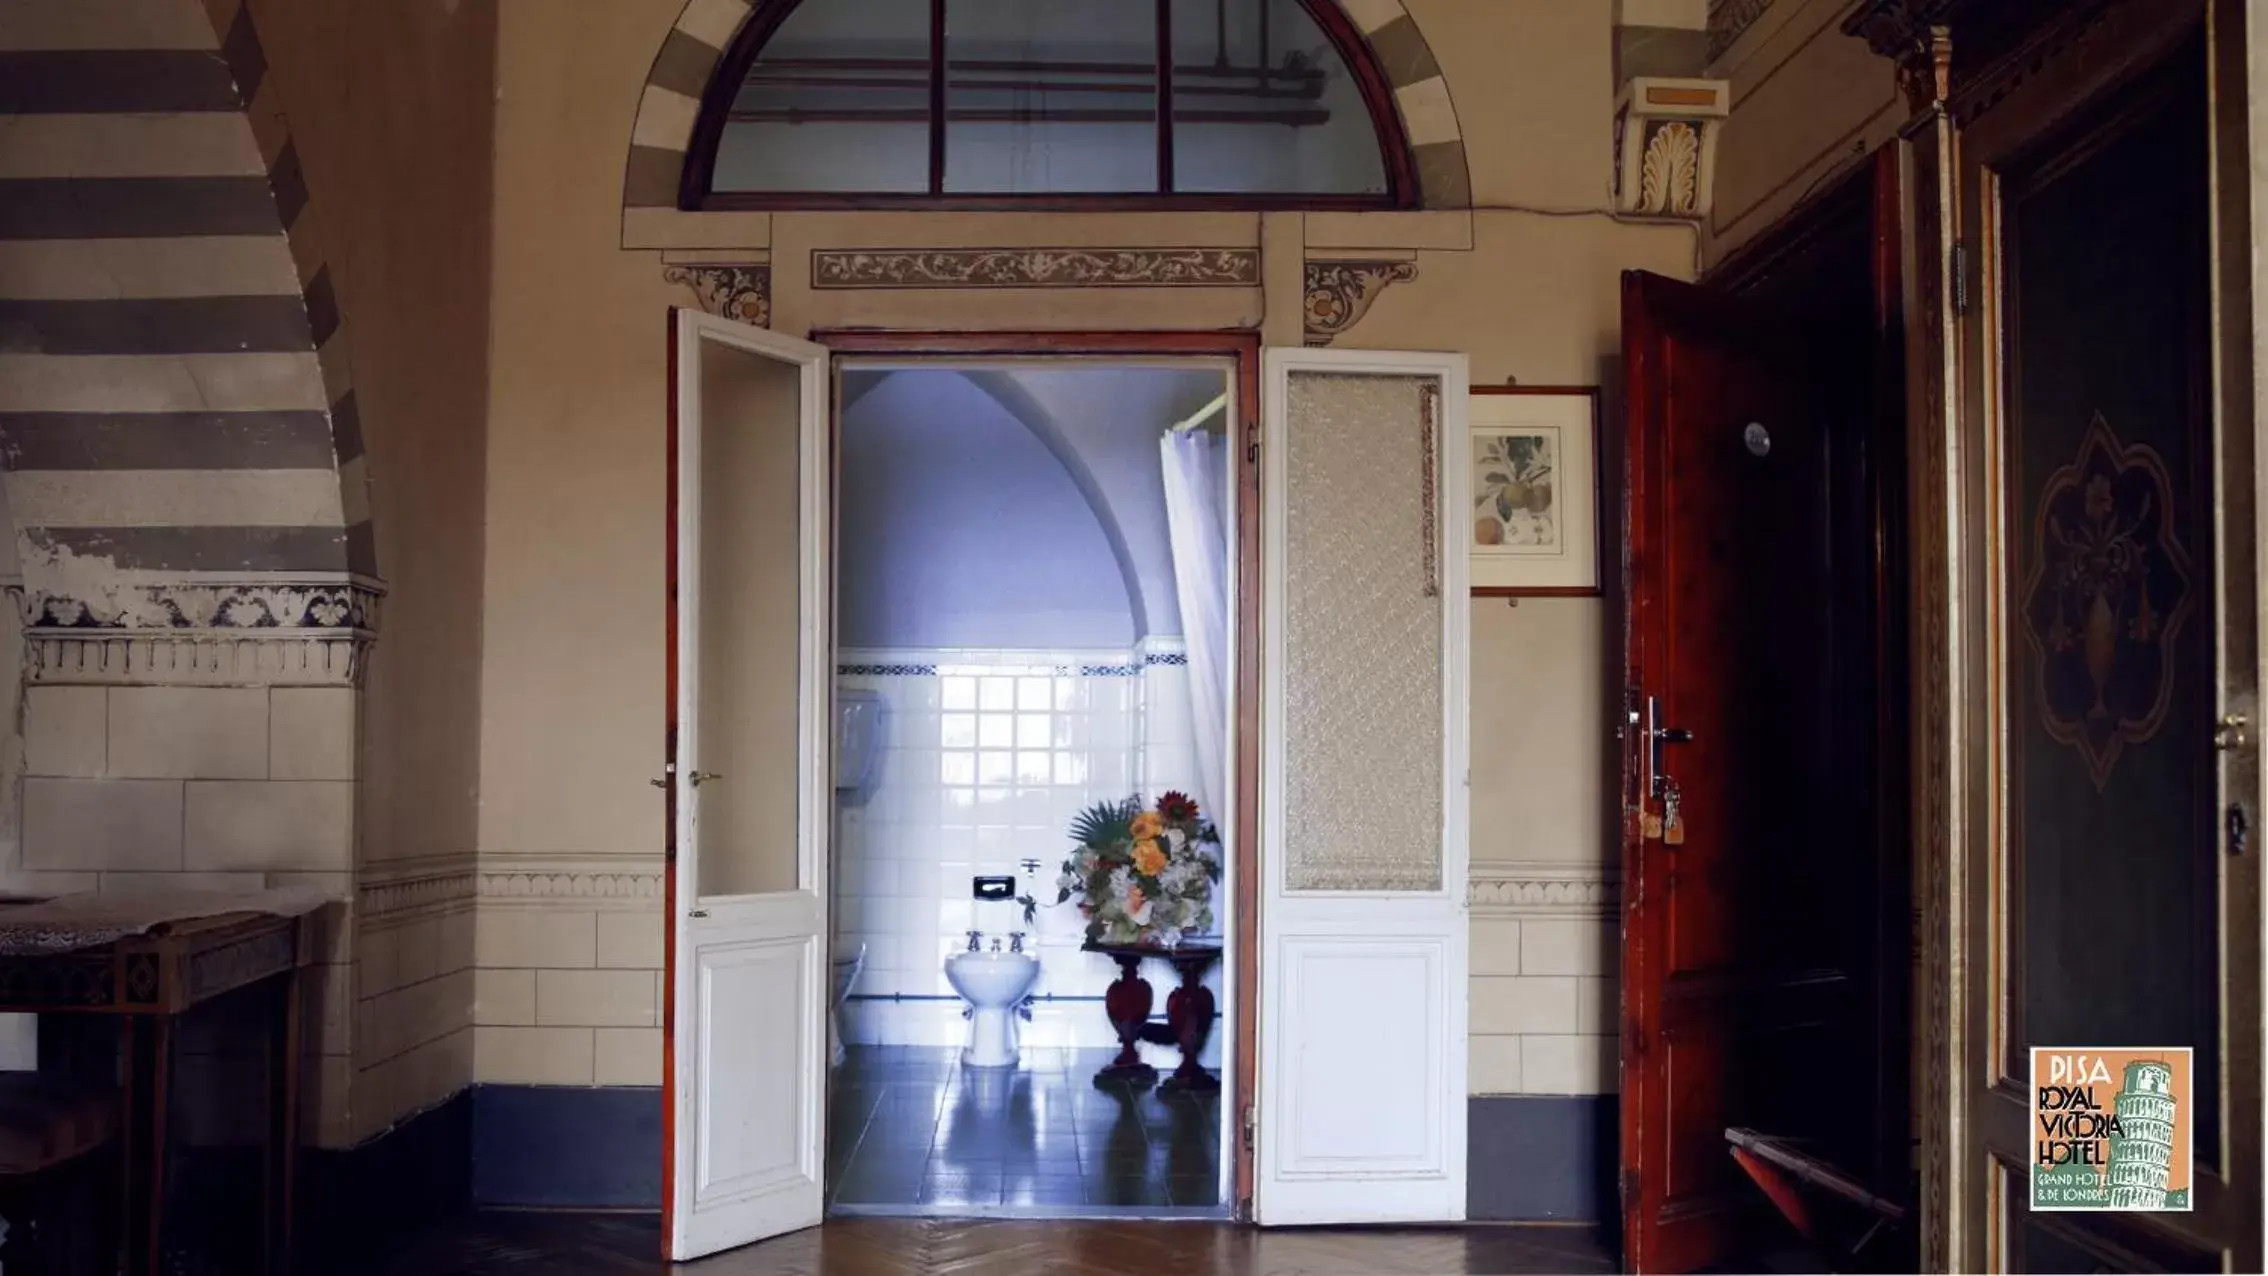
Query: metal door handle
[{"x": 699, "y": 776}]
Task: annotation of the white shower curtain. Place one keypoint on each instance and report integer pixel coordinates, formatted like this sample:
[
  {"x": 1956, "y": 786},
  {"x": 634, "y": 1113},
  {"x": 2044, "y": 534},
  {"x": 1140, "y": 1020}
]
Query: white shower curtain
[{"x": 1196, "y": 492}]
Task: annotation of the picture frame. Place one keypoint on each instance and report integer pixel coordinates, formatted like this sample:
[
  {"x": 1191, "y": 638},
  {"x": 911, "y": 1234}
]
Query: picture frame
[{"x": 1533, "y": 530}]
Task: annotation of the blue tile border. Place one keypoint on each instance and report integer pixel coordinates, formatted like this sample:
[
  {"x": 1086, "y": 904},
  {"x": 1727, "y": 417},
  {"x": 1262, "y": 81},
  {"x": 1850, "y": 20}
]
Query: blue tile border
[{"x": 886, "y": 671}]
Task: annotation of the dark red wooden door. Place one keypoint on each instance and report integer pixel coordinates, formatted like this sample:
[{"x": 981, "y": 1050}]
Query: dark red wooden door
[{"x": 1752, "y": 918}]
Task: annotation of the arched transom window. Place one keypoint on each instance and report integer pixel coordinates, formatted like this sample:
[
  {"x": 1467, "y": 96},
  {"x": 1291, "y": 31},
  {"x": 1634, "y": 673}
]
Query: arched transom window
[{"x": 1002, "y": 103}]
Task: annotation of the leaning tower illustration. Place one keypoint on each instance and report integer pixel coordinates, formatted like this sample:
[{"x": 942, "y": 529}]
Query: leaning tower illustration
[{"x": 2142, "y": 1150}]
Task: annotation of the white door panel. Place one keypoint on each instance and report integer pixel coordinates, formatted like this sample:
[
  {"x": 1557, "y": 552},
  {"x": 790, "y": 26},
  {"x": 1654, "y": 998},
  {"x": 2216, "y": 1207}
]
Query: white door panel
[
  {"x": 748, "y": 783},
  {"x": 1363, "y": 929}
]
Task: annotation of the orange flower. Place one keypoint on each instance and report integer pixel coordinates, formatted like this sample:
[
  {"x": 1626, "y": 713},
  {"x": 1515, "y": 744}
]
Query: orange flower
[
  {"x": 1149, "y": 859},
  {"x": 1147, "y": 825}
]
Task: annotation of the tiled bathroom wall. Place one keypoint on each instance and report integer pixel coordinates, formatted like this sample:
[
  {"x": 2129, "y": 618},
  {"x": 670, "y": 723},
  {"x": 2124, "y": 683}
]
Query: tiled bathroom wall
[{"x": 988, "y": 756}]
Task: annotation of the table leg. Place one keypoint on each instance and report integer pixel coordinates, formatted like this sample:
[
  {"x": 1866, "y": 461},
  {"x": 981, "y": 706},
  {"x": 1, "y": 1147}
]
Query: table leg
[
  {"x": 149, "y": 1069},
  {"x": 1127, "y": 1001},
  {"x": 1189, "y": 1013},
  {"x": 284, "y": 1028}
]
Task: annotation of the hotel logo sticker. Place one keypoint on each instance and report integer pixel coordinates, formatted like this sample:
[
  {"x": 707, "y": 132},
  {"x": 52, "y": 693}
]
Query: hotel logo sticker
[{"x": 2112, "y": 1129}]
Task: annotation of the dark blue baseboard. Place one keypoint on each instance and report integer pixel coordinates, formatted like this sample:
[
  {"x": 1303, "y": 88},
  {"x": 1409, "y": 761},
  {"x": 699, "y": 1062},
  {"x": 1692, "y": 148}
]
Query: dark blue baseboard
[
  {"x": 1535, "y": 1158},
  {"x": 1530, "y": 1158},
  {"x": 567, "y": 1146},
  {"x": 412, "y": 1174}
]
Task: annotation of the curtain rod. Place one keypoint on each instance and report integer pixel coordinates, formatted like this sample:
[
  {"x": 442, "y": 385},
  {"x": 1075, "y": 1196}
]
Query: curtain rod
[{"x": 1200, "y": 416}]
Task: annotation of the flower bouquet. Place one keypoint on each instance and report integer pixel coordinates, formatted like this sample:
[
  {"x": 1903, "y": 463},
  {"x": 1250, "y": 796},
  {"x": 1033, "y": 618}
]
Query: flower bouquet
[{"x": 1143, "y": 876}]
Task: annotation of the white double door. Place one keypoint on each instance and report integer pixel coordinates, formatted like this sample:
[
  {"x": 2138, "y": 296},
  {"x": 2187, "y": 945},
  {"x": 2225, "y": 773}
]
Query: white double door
[{"x": 1362, "y": 939}]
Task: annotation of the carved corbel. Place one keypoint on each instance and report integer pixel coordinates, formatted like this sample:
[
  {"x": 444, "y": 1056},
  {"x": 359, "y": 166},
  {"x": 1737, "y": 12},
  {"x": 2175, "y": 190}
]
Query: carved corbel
[
  {"x": 729, "y": 290},
  {"x": 1665, "y": 139},
  {"x": 1913, "y": 34}
]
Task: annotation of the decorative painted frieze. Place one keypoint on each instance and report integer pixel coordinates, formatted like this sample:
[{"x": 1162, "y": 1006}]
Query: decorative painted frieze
[
  {"x": 1339, "y": 293},
  {"x": 1035, "y": 268},
  {"x": 1729, "y": 20},
  {"x": 583, "y": 883},
  {"x": 738, "y": 291},
  {"x": 423, "y": 891},
  {"x": 1541, "y": 889},
  {"x": 1665, "y": 139},
  {"x": 260, "y": 633}
]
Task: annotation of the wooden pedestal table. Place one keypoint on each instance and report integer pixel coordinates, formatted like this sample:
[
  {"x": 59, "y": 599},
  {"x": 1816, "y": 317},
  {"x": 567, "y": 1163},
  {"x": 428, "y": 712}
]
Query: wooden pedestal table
[
  {"x": 1189, "y": 1015},
  {"x": 147, "y": 962}
]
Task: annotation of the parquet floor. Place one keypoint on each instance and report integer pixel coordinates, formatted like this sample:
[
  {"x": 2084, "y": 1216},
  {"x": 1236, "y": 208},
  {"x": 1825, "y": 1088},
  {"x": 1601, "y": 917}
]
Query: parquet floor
[{"x": 521, "y": 1244}]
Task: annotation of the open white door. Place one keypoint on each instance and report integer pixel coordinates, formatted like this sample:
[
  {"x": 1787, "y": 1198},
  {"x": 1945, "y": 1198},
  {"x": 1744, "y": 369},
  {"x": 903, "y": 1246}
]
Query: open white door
[
  {"x": 750, "y": 699},
  {"x": 1363, "y": 778}
]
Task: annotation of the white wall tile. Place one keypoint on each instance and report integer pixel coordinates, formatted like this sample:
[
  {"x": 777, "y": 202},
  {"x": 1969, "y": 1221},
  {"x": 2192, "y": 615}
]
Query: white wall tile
[
  {"x": 1492, "y": 1065},
  {"x": 264, "y": 824},
  {"x": 66, "y": 731},
  {"x": 1567, "y": 1064},
  {"x": 102, "y": 824},
  {"x": 1598, "y": 1006},
  {"x": 504, "y": 997},
  {"x": 532, "y": 938},
  {"x": 1495, "y": 945},
  {"x": 628, "y": 1056},
  {"x": 311, "y": 733},
  {"x": 631, "y": 940},
  {"x": 1523, "y": 1003},
  {"x": 189, "y": 733},
  {"x": 534, "y": 1056},
  {"x": 598, "y": 998},
  {"x": 1556, "y": 946}
]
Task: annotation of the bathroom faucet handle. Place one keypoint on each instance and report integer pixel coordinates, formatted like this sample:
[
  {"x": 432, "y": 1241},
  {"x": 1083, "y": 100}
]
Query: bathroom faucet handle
[
  {"x": 976, "y": 941},
  {"x": 1016, "y": 942}
]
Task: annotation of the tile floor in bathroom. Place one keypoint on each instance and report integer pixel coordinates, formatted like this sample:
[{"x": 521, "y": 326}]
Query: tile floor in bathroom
[{"x": 911, "y": 1130}]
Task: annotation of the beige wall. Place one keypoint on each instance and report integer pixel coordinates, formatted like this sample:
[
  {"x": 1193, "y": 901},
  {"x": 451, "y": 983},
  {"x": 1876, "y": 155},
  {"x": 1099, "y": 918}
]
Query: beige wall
[
  {"x": 570, "y": 832},
  {"x": 391, "y": 106},
  {"x": 1808, "y": 104}
]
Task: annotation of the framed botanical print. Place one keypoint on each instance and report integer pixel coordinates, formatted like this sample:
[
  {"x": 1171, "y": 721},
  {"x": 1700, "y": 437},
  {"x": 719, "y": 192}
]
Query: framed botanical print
[{"x": 1534, "y": 524}]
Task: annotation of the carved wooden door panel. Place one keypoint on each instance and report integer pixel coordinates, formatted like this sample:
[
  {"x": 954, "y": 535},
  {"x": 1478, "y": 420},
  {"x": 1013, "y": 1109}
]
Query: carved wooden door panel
[{"x": 2111, "y": 880}]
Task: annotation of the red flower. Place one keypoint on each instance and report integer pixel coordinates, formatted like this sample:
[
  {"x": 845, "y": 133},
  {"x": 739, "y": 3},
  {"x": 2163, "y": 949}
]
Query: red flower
[{"x": 1177, "y": 806}]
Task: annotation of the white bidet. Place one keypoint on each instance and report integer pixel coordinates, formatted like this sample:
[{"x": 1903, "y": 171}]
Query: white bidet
[{"x": 994, "y": 985}]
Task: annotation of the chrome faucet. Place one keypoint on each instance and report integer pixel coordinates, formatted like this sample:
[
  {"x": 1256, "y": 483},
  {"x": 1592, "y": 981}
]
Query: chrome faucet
[
  {"x": 1016, "y": 942},
  {"x": 976, "y": 941},
  {"x": 996, "y": 943}
]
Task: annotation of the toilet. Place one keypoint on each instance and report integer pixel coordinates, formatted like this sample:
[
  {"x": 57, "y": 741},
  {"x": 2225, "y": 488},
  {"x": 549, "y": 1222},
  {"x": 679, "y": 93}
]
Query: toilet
[
  {"x": 846, "y": 974},
  {"x": 994, "y": 984}
]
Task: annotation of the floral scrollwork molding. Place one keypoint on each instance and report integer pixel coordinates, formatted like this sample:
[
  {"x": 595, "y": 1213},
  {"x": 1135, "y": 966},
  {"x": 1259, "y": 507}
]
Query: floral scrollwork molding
[
  {"x": 737, "y": 291},
  {"x": 911, "y": 268},
  {"x": 1339, "y": 293}
]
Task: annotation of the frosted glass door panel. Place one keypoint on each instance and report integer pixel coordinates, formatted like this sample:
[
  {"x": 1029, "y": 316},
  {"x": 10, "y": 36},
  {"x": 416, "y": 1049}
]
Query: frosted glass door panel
[{"x": 750, "y": 658}]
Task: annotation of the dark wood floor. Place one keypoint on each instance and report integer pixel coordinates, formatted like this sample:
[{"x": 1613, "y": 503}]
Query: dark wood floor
[{"x": 519, "y": 1244}]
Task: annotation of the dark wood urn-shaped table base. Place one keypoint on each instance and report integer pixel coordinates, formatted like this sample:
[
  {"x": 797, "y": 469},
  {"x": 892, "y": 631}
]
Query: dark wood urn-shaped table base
[{"x": 1189, "y": 1015}]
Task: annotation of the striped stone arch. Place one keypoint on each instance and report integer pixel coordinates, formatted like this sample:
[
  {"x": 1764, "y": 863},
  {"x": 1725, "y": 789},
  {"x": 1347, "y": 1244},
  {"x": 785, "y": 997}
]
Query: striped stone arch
[
  {"x": 178, "y": 429},
  {"x": 671, "y": 100}
]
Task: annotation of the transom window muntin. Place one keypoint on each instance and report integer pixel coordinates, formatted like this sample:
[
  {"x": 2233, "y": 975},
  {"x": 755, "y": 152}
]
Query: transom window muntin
[{"x": 1006, "y": 103}]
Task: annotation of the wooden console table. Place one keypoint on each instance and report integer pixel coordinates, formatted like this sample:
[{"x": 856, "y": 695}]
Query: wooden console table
[
  {"x": 1189, "y": 1014},
  {"x": 148, "y": 980}
]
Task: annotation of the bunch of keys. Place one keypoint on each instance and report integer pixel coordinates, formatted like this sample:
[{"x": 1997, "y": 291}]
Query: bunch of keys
[{"x": 1669, "y": 826}]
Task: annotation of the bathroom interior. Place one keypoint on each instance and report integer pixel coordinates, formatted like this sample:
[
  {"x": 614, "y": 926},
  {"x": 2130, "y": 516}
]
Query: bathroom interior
[{"x": 1032, "y": 617}]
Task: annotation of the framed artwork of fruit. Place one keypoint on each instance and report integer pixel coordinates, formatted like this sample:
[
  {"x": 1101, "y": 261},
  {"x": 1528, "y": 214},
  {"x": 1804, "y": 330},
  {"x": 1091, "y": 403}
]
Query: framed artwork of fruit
[{"x": 1534, "y": 523}]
